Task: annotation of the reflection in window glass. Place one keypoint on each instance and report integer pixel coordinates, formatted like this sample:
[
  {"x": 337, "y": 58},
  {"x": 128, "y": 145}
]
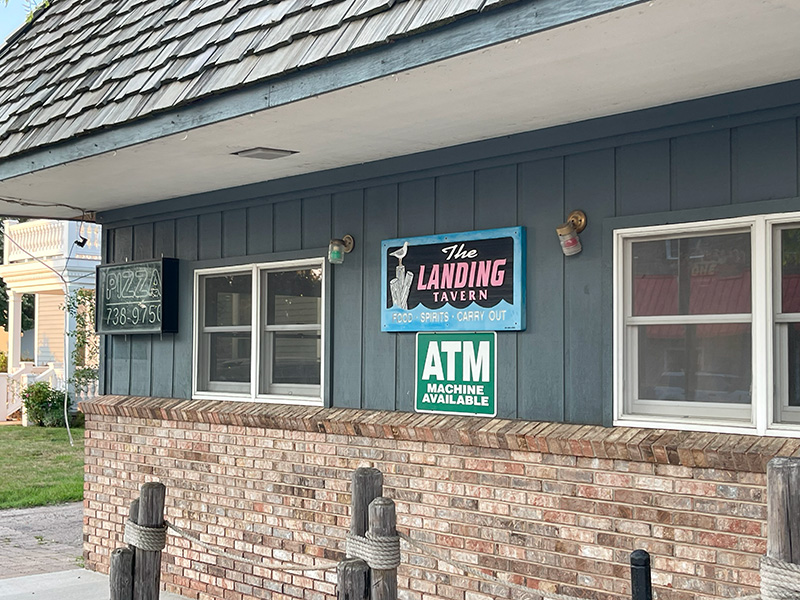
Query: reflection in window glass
[
  {"x": 695, "y": 363},
  {"x": 229, "y": 359},
  {"x": 692, "y": 275},
  {"x": 228, "y": 300},
  {"x": 294, "y": 297},
  {"x": 296, "y": 358},
  {"x": 790, "y": 270},
  {"x": 787, "y": 331},
  {"x": 793, "y": 355}
]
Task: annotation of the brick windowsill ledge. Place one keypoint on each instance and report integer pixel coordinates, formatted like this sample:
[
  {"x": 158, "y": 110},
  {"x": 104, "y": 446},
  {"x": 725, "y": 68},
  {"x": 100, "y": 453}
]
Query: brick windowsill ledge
[{"x": 663, "y": 446}]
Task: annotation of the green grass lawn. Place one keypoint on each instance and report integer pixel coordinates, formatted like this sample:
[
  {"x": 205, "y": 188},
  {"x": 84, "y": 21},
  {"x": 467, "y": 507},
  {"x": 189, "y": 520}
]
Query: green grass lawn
[{"x": 38, "y": 466}]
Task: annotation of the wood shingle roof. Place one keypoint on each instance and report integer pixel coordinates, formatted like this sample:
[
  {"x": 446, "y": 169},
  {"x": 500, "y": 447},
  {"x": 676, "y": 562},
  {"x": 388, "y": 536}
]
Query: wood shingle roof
[{"x": 85, "y": 65}]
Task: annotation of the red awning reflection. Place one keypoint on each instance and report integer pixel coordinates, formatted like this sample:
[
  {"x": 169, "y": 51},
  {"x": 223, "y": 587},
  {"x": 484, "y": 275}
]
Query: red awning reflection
[
  {"x": 658, "y": 295},
  {"x": 791, "y": 293}
]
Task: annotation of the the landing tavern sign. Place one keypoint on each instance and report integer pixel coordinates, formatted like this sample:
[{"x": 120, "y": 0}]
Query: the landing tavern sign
[
  {"x": 456, "y": 282},
  {"x": 456, "y": 373}
]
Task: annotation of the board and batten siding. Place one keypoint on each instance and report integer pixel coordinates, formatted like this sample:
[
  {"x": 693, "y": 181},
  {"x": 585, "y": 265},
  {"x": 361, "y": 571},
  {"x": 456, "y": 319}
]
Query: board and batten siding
[
  {"x": 559, "y": 368},
  {"x": 49, "y": 328}
]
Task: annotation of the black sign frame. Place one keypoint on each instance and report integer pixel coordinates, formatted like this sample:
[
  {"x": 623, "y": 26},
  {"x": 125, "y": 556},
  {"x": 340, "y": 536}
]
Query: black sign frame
[{"x": 140, "y": 306}]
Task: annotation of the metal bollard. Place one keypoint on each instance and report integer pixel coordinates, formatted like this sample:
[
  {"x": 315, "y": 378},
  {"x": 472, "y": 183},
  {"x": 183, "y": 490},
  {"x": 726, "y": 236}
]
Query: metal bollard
[{"x": 641, "y": 586}]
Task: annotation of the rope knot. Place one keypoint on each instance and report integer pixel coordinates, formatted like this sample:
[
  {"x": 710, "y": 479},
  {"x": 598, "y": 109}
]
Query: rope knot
[
  {"x": 149, "y": 539},
  {"x": 381, "y": 552}
]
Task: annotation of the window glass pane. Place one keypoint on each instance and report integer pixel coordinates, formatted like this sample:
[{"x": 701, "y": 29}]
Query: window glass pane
[
  {"x": 692, "y": 275},
  {"x": 294, "y": 358},
  {"x": 229, "y": 356},
  {"x": 695, "y": 363},
  {"x": 228, "y": 300},
  {"x": 793, "y": 356},
  {"x": 790, "y": 270},
  {"x": 294, "y": 297}
]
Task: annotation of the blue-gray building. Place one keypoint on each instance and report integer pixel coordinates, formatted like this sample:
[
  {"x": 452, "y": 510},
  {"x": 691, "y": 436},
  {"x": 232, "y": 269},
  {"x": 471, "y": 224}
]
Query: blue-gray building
[{"x": 241, "y": 137}]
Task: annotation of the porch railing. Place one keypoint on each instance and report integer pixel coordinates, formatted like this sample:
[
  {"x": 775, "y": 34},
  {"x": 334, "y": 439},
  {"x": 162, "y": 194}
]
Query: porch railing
[
  {"x": 15, "y": 382},
  {"x": 90, "y": 390},
  {"x": 45, "y": 238},
  {"x": 12, "y": 384}
]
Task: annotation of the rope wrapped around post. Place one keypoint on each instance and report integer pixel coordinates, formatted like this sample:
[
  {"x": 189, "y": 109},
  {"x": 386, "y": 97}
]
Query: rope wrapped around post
[
  {"x": 150, "y": 539},
  {"x": 780, "y": 580},
  {"x": 379, "y": 551}
]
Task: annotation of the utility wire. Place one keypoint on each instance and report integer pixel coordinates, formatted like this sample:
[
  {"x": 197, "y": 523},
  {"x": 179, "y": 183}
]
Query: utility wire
[{"x": 21, "y": 202}]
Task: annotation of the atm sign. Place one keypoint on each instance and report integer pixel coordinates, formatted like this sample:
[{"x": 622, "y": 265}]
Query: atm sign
[{"x": 456, "y": 373}]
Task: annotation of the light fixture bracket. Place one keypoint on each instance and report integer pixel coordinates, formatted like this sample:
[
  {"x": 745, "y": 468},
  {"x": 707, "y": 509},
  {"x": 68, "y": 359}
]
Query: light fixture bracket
[
  {"x": 348, "y": 242},
  {"x": 578, "y": 220}
]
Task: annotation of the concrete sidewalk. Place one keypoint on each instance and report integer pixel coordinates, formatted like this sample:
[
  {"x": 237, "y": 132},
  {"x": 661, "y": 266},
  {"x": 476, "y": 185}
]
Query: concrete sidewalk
[{"x": 77, "y": 584}]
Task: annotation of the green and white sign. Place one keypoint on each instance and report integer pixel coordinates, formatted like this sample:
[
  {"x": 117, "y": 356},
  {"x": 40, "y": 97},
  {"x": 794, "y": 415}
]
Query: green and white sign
[{"x": 456, "y": 373}]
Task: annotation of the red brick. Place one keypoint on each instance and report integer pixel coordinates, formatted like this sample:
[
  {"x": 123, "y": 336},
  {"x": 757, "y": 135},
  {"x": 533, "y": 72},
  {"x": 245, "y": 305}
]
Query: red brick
[
  {"x": 274, "y": 482},
  {"x": 717, "y": 540}
]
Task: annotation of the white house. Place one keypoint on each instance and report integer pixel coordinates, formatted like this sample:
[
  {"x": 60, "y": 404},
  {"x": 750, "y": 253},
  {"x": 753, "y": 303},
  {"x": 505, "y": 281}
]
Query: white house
[{"x": 49, "y": 259}]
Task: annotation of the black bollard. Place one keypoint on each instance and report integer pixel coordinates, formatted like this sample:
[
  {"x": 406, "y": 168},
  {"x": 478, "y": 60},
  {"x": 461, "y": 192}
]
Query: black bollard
[{"x": 641, "y": 586}]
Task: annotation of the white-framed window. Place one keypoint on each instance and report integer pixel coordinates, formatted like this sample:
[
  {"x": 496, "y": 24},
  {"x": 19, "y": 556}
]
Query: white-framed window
[
  {"x": 259, "y": 332},
  {"x": 786, "y": 294},
  {"x": 707, "y": 325}
]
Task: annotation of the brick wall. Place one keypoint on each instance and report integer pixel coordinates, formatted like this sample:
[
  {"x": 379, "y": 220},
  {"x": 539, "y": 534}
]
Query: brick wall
[{"x": 559, "y": 507}]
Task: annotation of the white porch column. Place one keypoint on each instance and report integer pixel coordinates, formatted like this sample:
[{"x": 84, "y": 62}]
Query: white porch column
[
  {"x": 7, "y": 245},
  {"x": 14, "y": 328}
]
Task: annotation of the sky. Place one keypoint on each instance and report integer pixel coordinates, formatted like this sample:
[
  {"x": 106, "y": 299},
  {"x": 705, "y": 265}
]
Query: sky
[{"x": 11, "y": 16}]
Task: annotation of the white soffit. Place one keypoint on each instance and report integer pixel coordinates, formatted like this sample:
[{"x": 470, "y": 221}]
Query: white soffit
[{"x": 647, "y": 55}]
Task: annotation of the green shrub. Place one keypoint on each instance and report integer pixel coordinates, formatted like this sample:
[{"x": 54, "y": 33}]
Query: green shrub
[
  {"x": 3, "y": 362},
  {"x": 77, "y": 419},
  {"x": 44, "y": 405}
]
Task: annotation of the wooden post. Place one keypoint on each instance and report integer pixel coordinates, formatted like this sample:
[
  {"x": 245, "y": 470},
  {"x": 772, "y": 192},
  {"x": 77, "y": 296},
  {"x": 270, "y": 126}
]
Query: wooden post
[
  {"x": 133, "y": 512},
  {"x": 121, "y": 574},
  {"x": 783, "y": 508},
  {"x": 367, "y": 485},
  {"x": 353, "y": 573},
  {"x": 147, "y": 565},
  {"x": 121, "y": 569},
  {"x": 382, "y": 522},
  {"x": 353, "y": 579}
]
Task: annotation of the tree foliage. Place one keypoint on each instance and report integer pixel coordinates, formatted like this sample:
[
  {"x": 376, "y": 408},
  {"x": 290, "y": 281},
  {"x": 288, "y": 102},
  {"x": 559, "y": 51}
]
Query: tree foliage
[
  {"x": 85, "y": 354},
  {"x": 28, "y": 308},
  {"x": 30, "y": 6},
  {"x": 28, "y": 300}
]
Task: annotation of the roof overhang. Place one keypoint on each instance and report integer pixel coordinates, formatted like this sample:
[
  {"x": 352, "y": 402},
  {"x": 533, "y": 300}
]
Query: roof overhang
[{"x": 410, "y": 98}]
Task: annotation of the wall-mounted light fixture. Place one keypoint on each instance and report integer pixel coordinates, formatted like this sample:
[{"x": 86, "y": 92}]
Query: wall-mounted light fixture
[
  {"x": 568, "y": 232},
  {"x": 338, "y": 248}
]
